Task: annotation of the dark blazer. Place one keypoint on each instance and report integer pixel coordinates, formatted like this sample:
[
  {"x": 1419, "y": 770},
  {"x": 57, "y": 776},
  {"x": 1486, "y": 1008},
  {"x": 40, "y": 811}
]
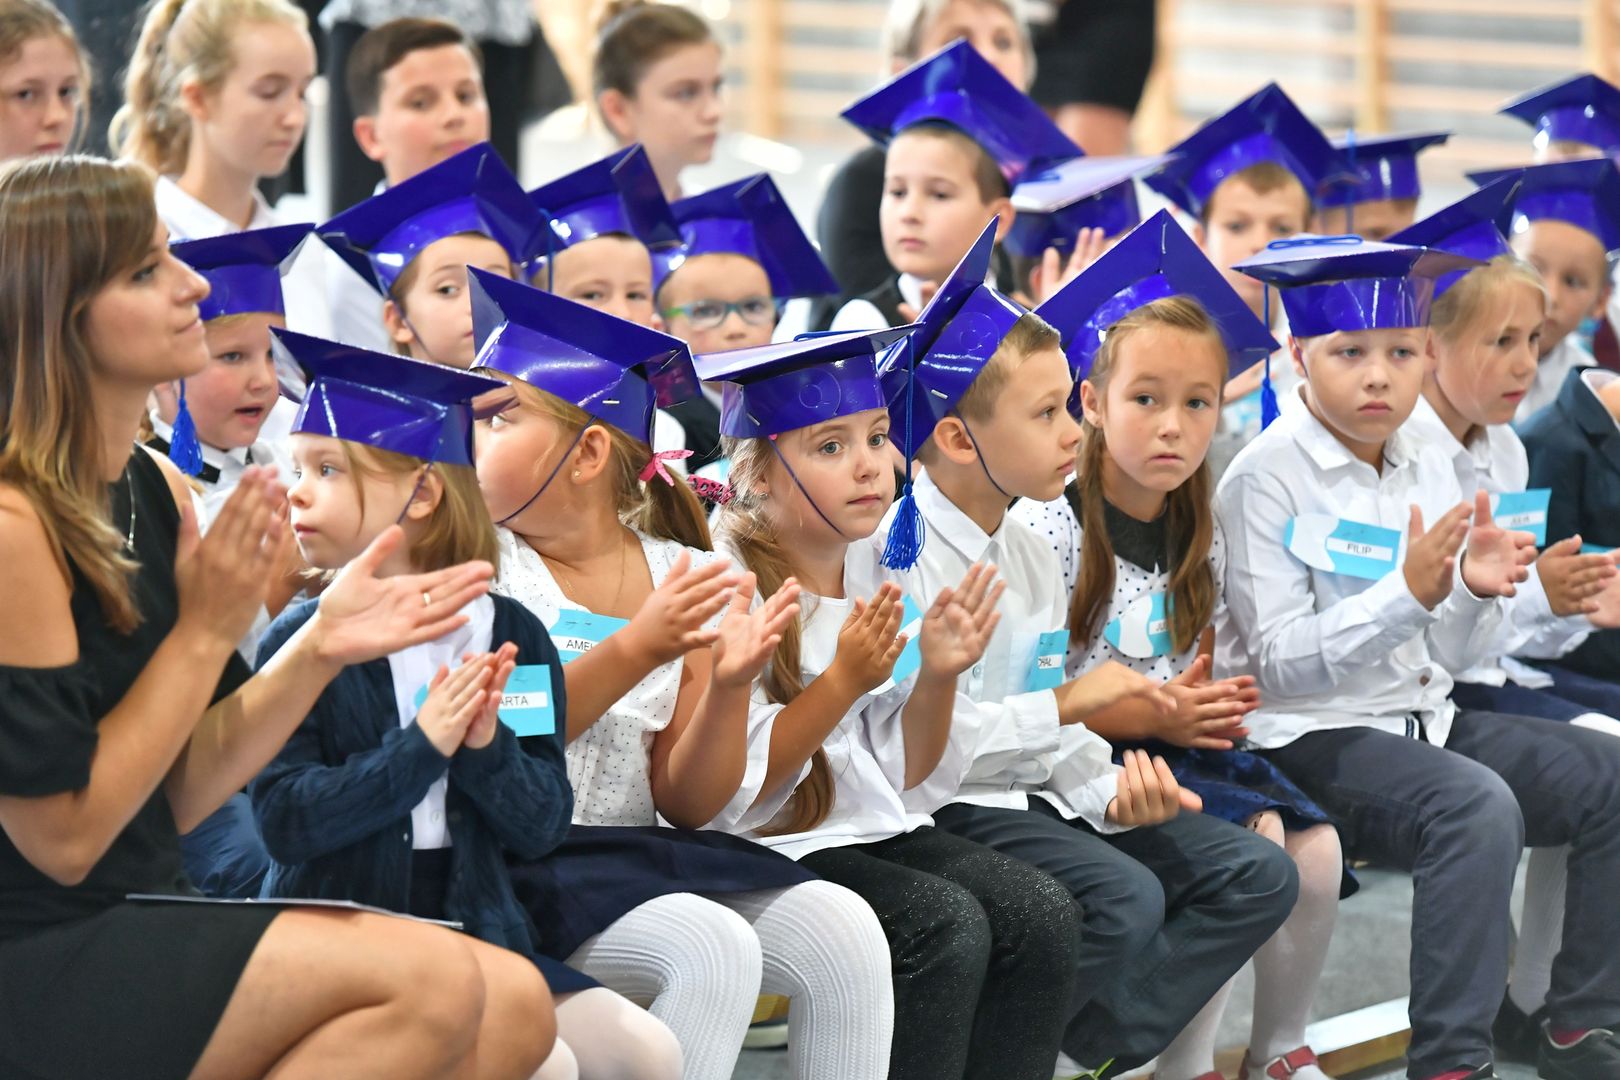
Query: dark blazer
[
  {"x": 1574, "y": 449},
  {"x": 334, "y": 806}
]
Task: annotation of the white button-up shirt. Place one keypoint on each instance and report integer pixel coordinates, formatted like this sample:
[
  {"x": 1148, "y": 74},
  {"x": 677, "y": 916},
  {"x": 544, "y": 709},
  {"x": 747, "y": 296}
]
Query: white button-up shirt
[
  {"x": 1494, "y": 459},
  {"x": 1330, "y": 650},
  {"x": 1012, "y": 741}
]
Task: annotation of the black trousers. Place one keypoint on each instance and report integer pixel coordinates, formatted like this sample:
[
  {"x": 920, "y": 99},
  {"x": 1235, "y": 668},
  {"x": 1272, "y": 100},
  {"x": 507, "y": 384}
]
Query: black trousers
[
  {"x": 984, "y": 951},
  {"x": 1168, "y": 915},
  {"x": 1458, "y": 818}
]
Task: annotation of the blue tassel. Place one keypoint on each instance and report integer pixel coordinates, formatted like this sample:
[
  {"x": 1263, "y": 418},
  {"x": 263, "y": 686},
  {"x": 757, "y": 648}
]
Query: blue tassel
[
  {"x": 1268, "y": 394},
  {"x": 906, "y": 534},
  {"x": 184, "y": 449}
]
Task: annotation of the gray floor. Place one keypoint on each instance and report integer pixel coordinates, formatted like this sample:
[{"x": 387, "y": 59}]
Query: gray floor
[{"x": 1366, "y": 965}]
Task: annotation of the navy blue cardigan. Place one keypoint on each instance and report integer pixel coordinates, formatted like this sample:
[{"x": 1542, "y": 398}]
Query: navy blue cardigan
[
  {"x": 1574, "y": 449},
  {"x": 334, "y": 806}
]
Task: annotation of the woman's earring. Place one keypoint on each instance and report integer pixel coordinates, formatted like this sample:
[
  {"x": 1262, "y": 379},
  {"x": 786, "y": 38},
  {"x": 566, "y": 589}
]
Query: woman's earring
[{"x": 576, "y": 474}]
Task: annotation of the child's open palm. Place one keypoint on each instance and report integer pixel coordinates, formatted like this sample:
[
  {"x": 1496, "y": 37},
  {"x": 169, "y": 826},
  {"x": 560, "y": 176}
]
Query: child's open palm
[
  {"x": 747, "y": 638},
  {"x": 673, "y": 620},
  {"x": 1496, "y": 559},
  {"x": 870, "y": 641},
  {"x": 958, "y": 625},
  {"x": 1208, "y": 713}
]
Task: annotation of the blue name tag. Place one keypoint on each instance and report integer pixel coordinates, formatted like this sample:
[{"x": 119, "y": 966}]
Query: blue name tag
[
  {"x": 526, "y": 706},
  {"x": 1143, "y": 630},
  {"x": 1525, "y": 511},
  {"x": 1336, "y": 546},
  {"x": 911, "y": 618},
  {"x": 576, "y": 632},
  {"x": 1046, "y": 670}
]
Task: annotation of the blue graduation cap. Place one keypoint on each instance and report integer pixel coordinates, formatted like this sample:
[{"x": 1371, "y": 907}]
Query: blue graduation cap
[
  {"x": 1382, "y": 167},
  {"x": 1582, "y": 109},
  {"x": 1157, "y": 260},
  {"x": 959, "y": 87},
  {"x": 925, "y": 375},
  {"x": 1267, "y": 126},
  {"x": 615, "y": 370},
  {"x": 243, "y": 269},
  {"x": 748, "y": 218},
  {"x": 619, "y": 194},
  {"x": 1331, "y": 283},
  {"x": 787, "y": 385},
  {"x": 1584, "y": 193},
  {"x": 471, "y": 192},
  {"x": 393, "y": 403},
  {"x": 1054, "y": 203},
  {"x": 1475, "y": 226}
]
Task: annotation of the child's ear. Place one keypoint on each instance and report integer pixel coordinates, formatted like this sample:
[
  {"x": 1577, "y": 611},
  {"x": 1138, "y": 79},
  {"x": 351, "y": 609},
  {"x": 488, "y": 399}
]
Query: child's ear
[
  {"x": 194, "y": 100},
  {"x": 365, "y": 133},
  {"x": 1298, "y": 356},
  {"x": 1199, "y": 235},
  {"x": 427, "y": 497},
  {"x": 1090, "y": 404},
  {"x": 399, "y": 331},
  {"x": 615, "y": 110},
  {"x": 950, "y": 439},
  {"x": 592, "y": 456},
  {"x": 1601, "y": 308},
  {"x": 1004, "y": 208}
]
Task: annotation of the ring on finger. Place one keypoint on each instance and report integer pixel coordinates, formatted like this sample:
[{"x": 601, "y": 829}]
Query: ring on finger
[{"x": 427, "y": 599}]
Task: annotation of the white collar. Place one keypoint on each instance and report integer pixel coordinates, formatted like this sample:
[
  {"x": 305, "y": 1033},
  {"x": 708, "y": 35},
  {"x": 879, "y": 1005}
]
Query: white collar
[
  {"x": 211, "y": 455},
  {"x": 189, "y": 218},
  {"x": 1324, "y": 448},
  {"x": 947, "y": 523}
]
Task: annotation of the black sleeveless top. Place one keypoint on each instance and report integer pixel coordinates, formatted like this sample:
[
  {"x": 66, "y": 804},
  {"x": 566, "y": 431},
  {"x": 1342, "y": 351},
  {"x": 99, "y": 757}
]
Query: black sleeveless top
[{"x": 49, "y": 716}]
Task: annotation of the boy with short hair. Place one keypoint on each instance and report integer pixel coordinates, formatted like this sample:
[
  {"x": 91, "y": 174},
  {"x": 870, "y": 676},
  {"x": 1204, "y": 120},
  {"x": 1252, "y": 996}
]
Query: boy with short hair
[
  {"x": 959, "y": 136},
  {"x": 1566, "y": 222},
  {"x": 979, "y": 395},
  {"x": 1350, "y": 595},
  {"x": 417, "y": 90},
  {"x": 1382, "y": 197}
]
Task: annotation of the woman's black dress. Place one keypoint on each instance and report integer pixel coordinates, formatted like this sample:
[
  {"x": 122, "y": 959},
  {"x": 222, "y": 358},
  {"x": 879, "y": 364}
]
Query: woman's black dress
[{"x": 93, "y": 985}]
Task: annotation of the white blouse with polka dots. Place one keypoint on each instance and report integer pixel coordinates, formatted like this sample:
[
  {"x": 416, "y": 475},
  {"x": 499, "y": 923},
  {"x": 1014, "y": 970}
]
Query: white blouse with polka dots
[{"x": 610, "y": 765}]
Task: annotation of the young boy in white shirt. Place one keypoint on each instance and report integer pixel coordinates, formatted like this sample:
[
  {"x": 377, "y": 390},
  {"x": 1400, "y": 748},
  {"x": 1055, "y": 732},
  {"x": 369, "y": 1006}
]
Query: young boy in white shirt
[{"x": 1350, "y": 595}]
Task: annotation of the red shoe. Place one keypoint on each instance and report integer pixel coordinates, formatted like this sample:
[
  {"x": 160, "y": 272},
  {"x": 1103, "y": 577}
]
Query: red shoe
[{"x": 1281, "y": 1068}]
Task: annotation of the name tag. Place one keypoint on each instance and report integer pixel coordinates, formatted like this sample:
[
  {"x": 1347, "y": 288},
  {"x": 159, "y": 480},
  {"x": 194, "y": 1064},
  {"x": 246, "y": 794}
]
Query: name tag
[
  {"x": 1046, "y": 671},
  {"x": 1337, "y": 546},
  {"x": 577, "y": 632},
  {"x": 1143, "y": 629},
  {"x": 526, "y": 706},
  {"x": 1525, "y": 511},
  {"x": 911, "y": 619}
]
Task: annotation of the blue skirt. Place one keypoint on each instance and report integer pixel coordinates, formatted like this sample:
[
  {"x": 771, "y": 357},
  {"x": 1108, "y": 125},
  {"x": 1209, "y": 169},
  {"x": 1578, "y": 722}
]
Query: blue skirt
[
  {"x": 600, "y": 873},
  {"x": 1237, "y": 784}
]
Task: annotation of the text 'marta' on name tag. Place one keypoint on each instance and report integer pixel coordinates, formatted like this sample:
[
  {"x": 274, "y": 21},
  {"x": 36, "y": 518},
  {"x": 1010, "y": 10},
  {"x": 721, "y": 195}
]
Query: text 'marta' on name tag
[
  {"x": 911, "y": 618},
  {"x": 577, "y": 632},
  {"x": 1143, "y": 629},
  {"x": 526, "y": 705},
  {"x": 1524, "y": 511},
  {"x": 1046, "y": 670},
  {"x": 1337, "y": 546}
]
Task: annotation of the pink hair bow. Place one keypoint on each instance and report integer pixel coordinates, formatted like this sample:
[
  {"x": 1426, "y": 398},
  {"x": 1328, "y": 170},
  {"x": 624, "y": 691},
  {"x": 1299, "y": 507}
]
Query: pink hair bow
[{"x": 656, "y": 467}]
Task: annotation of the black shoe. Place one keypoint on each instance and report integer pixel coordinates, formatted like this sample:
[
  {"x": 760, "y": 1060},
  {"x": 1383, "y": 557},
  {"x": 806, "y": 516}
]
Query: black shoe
[
  {"x": 1517, "y": 1036},
  {"x": 1595, "y": 1056}
]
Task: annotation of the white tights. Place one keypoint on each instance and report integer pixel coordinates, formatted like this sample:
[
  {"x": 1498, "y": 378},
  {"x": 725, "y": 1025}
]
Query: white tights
[
  {"x": 702, "y": 963},
  {"x": 601, "y": 1036},
  {"x": 1286, "y": 969},
  {"x": 1541, "y": 929}
]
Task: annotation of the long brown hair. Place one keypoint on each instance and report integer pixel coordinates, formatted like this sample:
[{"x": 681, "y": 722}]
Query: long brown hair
[
  {"x": 745, "y": 525},
  {"x": 21, "y": 21},
  {"x": 68, "y": 226},
  {"x": 660, "y": 510},
  {"x": 182, "y": 41},
  {"x": 1189, "y": 521}
]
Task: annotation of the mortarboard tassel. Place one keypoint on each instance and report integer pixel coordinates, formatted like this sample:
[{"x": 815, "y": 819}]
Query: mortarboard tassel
[
  {"x": 1268, "y": 394},
  {"x": 1350, "y": 207},
  {"x": 907, "y": 532},
  {"x": 184, "y": 449}
]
